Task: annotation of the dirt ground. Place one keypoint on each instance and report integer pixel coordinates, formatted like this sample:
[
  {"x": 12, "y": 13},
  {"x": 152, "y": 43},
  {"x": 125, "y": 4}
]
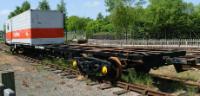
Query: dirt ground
[{"x": 34, "y": 80}]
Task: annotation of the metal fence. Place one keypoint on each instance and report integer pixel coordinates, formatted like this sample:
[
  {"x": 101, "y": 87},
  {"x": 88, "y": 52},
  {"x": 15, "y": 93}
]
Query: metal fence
[
  {"x": 74, "y": 35},
  {"x": 161, "y": 43}
]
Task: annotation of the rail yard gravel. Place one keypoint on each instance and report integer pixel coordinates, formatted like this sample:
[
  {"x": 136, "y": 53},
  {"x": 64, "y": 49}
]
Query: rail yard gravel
[{"x": 34, "y": 80}]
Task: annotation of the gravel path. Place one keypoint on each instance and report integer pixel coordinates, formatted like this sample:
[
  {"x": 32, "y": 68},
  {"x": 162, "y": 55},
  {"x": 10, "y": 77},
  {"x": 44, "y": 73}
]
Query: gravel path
[{"x": 33, "y": 80}]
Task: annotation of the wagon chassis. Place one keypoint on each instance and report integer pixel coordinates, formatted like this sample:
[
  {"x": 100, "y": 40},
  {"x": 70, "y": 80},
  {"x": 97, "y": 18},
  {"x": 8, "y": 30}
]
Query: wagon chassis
[{"x": 110, "y": 62}]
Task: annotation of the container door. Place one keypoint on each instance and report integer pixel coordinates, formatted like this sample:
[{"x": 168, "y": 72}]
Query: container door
[{"x": 9, "y": 32}]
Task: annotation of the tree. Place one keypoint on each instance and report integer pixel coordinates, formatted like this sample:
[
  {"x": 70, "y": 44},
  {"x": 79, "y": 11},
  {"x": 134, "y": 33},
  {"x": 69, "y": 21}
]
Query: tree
[
  {"x": 72, "y": 21},
  {"x": 4, "y": 28},
  {"x": 25, "y": 6},
  {"x": 112, "y": 4},
  {"x": 12, "y": 14},
  {"x": 77, "y": 24},
  {"x": 168, "y": 18},
  {"x": 92, "y": 27},
  {"x": 18, "y": 10},
  {"x": 43, "y": 5},
  {"x": 100, "y": 16},
  {"x": 121, "y": 15},
  {"x": 62, "y": 7}
]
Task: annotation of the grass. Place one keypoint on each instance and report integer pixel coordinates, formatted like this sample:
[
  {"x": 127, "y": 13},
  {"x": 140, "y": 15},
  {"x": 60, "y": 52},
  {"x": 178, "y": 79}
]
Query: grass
[
  {"x": 1, "y": 40},
  {"x": 170, "y": 87},
  {"x": 190, "y": 75},
  {"x": 170, "y": 71},
  {"x": 137, "y": 78},
  {"x": 58, "y": 61},
  {"x": 191, "y": 91}
]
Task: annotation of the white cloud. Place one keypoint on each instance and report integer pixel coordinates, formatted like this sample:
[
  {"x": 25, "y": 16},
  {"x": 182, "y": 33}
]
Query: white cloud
[
  {"x": 92, "y": 3},
  {"x": 4, "y": 12}
]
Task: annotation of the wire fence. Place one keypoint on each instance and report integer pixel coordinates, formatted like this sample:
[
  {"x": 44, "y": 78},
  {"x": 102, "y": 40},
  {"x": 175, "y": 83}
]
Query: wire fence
[{"x": 162, "y": 43}]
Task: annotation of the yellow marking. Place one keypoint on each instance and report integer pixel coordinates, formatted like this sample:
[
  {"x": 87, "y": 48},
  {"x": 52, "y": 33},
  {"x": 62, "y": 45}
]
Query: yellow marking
[
  {"x": 74, "y": 63},
  {"x": 104, "y": 70}
]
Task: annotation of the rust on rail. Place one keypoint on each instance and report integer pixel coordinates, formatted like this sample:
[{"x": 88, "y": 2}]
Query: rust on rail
[{"x": 141, "y": 89}]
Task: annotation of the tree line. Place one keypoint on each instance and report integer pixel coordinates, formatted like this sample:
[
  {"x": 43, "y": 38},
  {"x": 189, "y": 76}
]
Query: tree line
[
  {"x": 135, "y": 19},
  {"x": 143, "y": 19},
  {"x": 43, "y": 5}
]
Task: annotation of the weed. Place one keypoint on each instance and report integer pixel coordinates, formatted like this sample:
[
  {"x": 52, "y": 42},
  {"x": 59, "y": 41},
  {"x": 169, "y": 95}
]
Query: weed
[
  {"x": 191, "y": 91},
  {"x": 58, "y": 61},
  {"x": 189, "y": 75},
  {"x": 139, "y": 78}
]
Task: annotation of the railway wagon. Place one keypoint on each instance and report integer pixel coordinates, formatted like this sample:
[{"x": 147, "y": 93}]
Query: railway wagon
[
  {"x": 41, "y": 33},
  {"x": 34, "y": 27}
]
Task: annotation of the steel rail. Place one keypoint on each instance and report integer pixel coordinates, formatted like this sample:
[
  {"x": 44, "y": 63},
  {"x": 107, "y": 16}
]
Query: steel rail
[
  {"x": 127, "y": 86},
  {"x": 175, "y": 79},
  {"x": 144, "y": 90}
]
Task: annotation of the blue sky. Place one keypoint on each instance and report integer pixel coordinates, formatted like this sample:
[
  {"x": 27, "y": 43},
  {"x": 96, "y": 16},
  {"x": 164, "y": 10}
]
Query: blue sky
[{"x": 83, "y": 8}]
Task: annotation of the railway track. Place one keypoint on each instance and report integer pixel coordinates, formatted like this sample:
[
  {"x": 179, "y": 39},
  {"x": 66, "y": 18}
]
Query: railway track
[
  {"x": 175, "y": 79},
  {"x": 127, "y": 87}
]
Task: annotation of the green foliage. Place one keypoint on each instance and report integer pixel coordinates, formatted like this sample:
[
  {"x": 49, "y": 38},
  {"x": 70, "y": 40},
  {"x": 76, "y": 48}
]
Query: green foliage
[
  {"x": 44, "y": 5},
  {"x": 93, "y": 26},
  {"x": 61, "y": 62},
  {"x": 25, "y": 6},
  {"x": 169, "y": 19},
  {"x": 112, "y": 4},
  {"x": 121, "y": 18},
  {"x": 77, "y": 24},
  {"x": 62, "y": 7},
  {"x": 100, "y": 17},
  {"x": 161, "y": 19},
  {"x": 137, "y": 78},
  {"x": 191, "y": 91},
  {"x": 18, "y": 10},
  {"x": 4, "y": 28},
  {"x": 164, "y": 15}
]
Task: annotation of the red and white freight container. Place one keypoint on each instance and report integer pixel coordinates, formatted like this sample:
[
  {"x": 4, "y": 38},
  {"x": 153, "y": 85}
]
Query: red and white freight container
[{"x": 34, "y": 27}]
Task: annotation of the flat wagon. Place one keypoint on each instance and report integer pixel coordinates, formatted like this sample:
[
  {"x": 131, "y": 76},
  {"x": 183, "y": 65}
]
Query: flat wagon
[{"x": 42, "y": 33}]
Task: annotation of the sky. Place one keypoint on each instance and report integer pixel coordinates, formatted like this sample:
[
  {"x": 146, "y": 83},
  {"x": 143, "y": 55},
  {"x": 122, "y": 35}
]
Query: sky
[{"x": 83, "y": 8}]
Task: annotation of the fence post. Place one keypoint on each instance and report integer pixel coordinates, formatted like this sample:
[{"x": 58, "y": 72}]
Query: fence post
[
  {"x": 9, "y": 92},
  {"x": 1, "y": 89},
  {"x": 8, "y": 79}
]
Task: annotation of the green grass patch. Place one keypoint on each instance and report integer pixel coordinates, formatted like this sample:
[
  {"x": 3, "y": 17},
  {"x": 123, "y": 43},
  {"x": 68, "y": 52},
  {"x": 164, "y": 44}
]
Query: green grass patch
[
  {"x": 191, "y": 91},
  {"x": 137, "y": 78},
  {"x": 189, "y": 75},
  {"x": 58, "y": 61},
  {"x": 1, "y": 40}
]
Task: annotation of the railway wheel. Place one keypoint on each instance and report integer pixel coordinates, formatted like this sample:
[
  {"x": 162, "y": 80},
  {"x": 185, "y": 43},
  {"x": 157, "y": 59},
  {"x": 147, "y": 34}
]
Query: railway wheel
[
  {"x": 117, "y": 68},
  {"x": 14, "y": 50}
]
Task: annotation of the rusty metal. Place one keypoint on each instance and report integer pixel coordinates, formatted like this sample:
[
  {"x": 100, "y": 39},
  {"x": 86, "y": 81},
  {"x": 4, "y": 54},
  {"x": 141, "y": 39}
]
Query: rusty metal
[
  {"x": 122, "y": 56},
  {"x": 118, "y": 65},
  {"x": 176, "y": 79},
  {"x": 71, "y": 73},
  {"x": 144, "y": 90}
]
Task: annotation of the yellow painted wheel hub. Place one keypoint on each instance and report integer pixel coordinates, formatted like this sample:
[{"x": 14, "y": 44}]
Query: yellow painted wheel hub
[
  {"x": 74, "y": 63},
  {"x": 104, "y": 70}
]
